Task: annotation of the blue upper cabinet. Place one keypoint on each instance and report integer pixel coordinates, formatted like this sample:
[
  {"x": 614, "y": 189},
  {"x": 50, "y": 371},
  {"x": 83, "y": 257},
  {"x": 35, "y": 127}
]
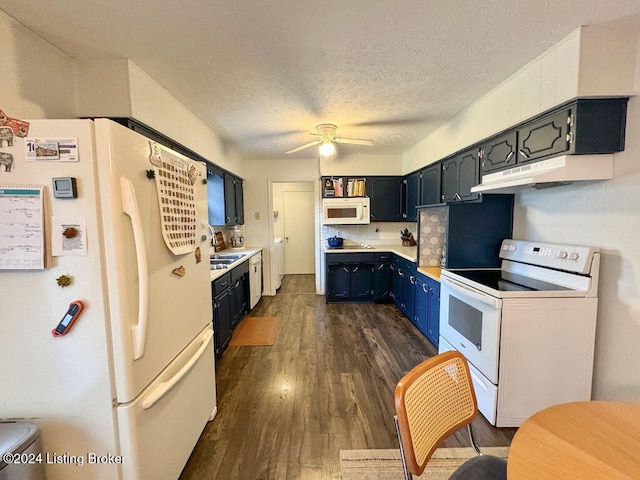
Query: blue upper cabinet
[
  {"x": 233, "y": 200},
  {"x": 430, "y": 189},
  {"x": 385, "y": 195},
  {"x": 412, "y": 196},
  {"x": 459, "y": 174},
  {"x": 215, "y": 196}
]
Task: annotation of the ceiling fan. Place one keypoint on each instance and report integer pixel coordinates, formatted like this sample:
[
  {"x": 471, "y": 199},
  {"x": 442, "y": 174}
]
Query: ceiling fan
[{"x": 327, "y": 134}]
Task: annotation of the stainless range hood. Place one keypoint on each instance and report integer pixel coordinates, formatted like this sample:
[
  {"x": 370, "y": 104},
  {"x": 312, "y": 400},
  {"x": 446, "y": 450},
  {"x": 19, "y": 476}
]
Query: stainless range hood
[{"x": 548, "y": 173}]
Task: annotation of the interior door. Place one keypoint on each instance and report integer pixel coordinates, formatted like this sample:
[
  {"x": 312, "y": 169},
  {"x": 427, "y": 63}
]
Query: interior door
[{"x": 299, "y": 232}]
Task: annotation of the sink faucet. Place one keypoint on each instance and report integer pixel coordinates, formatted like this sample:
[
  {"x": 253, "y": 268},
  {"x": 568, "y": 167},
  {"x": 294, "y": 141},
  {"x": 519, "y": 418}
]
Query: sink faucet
[{"x": 212, "y": 234}]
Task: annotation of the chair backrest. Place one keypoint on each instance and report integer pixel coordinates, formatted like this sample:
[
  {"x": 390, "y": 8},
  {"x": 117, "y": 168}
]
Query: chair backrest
[{"x": 433, "y": 400}]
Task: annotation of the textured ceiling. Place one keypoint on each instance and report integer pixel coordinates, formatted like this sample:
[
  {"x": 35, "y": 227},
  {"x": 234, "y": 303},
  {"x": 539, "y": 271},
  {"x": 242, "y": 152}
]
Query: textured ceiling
[{"x": 263, "y": 73}]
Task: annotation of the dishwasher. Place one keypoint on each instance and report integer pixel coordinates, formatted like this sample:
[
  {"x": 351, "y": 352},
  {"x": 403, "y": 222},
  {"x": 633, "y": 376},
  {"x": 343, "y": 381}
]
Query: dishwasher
[{"x": 255, "y": 279}]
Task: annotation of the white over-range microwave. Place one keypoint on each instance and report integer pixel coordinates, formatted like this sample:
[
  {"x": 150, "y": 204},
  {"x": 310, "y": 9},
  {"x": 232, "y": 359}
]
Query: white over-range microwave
[{"x": 345, "y": 211}]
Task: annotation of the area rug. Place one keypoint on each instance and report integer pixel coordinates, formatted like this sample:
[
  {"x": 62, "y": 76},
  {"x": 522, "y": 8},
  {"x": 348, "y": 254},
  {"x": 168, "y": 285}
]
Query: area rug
[
  {"x": 386, "y": 464},
  {"x": 256, "y": 331}
]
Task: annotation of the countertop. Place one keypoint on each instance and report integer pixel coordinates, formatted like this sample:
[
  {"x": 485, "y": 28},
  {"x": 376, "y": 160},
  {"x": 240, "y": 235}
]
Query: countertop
[
  {"x": 248, "y": 251},
  {"x": 410, "y": 253},
  {"x": 431, "y": 272}
]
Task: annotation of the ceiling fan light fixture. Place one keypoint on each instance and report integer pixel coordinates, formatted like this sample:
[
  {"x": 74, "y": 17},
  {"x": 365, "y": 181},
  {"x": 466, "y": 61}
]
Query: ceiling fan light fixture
[{"x": 327, "y": 148}]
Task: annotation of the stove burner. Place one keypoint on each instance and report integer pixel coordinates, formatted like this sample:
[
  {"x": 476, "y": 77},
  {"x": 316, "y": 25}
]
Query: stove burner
[{"x": 508, "y": 282}]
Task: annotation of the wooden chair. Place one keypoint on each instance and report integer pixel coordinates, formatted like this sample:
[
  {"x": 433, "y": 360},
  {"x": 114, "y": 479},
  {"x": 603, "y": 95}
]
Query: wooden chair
[{"x": 433, "y": 400}]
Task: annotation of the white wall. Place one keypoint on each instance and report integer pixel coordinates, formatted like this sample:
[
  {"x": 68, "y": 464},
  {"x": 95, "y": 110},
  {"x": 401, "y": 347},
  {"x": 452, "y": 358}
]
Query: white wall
[
  {"x": 606, "y": 215},
  {"x": 591, "y": 61},
  {"x": 35, "y": 77},
  {"x": 361, "y": 164},
  {"x": 260, "y": 176},
  {"x": 119, "y": 88}
]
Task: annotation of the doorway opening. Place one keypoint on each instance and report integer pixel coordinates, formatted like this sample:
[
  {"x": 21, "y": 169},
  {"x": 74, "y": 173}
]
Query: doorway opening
[{"x": 294, "y": 229}]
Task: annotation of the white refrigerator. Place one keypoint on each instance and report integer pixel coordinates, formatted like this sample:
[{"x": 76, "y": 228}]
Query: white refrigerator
[{"x": 126, "y": 393}]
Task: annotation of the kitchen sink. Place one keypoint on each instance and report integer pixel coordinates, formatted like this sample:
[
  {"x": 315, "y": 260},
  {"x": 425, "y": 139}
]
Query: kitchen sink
[
  {"x": 218, "y": 261},
  {"x": 218, "y": 266},
  {"x": 228, "y": 256}
]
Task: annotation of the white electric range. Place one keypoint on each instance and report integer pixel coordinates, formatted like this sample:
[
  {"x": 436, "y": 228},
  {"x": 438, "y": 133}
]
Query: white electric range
[{"x": 527, "y": 328}]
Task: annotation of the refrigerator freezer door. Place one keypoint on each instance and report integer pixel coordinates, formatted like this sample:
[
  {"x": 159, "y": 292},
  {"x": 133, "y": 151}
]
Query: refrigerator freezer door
[
  {"x": 160, "y": 428},
  {"x": 158, "y": 301}
]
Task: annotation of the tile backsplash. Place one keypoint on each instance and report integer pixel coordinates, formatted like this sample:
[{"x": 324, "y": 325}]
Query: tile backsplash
[
  {"x": 375, "y": 233},
  {"x": 432, "y": 241}
]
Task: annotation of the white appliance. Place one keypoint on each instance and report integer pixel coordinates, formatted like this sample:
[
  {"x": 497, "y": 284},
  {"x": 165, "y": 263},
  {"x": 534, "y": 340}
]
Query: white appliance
[
  {"x": 255, "y": 279},
  {"x": 345, "y": 210},
  {"x": 132, "y": 385},
  {"x": 527, "y": 328},
  {"x": 550, "y": 172},
  {"x": 279, "y": 248}
]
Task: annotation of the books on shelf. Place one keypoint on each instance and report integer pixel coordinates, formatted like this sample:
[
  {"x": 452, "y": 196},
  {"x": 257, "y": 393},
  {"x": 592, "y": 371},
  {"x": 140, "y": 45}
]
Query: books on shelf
[
  {"x": 356, "y": 187},
  {"x": 335, "y": 187}
]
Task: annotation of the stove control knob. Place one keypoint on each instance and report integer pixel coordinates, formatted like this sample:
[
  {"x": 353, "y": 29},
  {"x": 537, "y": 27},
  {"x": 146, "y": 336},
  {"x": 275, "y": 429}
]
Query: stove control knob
[
  {"x": 505, "y": 247},
  {"x": 512, "y": 248},
  {"x": 562, "y": 254},
  {"x": 573, "y": 256}
]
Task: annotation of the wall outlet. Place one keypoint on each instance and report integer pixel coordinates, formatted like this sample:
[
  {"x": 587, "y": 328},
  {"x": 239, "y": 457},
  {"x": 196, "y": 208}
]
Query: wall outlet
[
  {"x": 338, "y": 233},
  {"x": 257, "y": 215}
]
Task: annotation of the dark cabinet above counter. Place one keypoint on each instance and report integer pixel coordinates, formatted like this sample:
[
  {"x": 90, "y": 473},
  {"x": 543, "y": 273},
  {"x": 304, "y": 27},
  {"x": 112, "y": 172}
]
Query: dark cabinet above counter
[
  {"x": 579, "y": 127},
  {"x": 386, "y": 198},
  {"x": 459, "y": 174},
  {"x": 225, "y": 194},
  {"x": 585, "y": 126}
]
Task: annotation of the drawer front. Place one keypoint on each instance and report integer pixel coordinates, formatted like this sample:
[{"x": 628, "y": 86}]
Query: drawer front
[
  {"x": 221, "y": 284},
  {"x": 356, "y": 257},
  {"x": 382, "y": 257}
]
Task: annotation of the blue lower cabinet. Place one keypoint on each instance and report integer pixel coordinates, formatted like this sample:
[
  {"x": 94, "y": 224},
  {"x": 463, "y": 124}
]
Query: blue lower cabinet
[
  {"x": 433, "y": 320},
  {"x": 404, "y": 281},
  {"x": 427, "y": 307},
  {"x": 383, "y": 278},
  {"x": 338, "y": 282},
  {"x": 350, "y": 277},
  {"x": 421, "y": 305},
  {"x": 362, "y": 281}
]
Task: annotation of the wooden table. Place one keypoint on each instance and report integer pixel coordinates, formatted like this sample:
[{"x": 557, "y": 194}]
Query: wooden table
[{"x": 576, "y": 441}]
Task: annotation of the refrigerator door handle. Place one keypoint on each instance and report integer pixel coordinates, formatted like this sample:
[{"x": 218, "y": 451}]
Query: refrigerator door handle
[
  {"x": 130, "y": 208},
  {"x": 162, "y": 388}
]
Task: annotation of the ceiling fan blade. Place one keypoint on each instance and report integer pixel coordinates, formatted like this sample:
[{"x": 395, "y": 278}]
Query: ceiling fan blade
[
  {"x": 302, "y": 147},
  {"x": 354, "y": 141}
]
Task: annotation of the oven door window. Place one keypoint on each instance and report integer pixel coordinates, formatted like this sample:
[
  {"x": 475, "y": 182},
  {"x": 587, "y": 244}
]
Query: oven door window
[{"x": 467, "y": 320}]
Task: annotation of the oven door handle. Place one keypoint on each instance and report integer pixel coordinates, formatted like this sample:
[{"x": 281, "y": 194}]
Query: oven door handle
[{"x": 471, "y": 292}]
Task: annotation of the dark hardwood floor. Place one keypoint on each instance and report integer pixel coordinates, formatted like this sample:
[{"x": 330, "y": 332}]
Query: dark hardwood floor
[{"x": 285, "y": 411}]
